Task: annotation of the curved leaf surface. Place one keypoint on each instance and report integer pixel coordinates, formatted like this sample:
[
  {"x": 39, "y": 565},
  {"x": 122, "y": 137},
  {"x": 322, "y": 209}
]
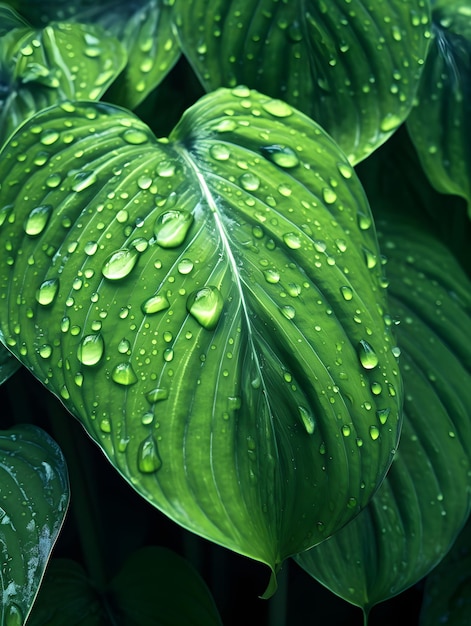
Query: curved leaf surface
[
  {"x": 34, "y": 494},
  {"x": 414, "y": 518},
  {"x": 440, "y": 125},
  {"x": 8, "y": 364},
  {"x": 9, "y": 19},
  {"x": 154, "y": 586},
  {"x": 447, "y": 594},
  {"x": 61, "y": 61},
  {"x": 211, "y": 307},
  {"x": 352, "y": 66}
]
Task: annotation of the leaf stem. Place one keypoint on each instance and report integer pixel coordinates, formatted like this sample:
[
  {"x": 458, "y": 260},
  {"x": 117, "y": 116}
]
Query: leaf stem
[{"x": 277, "y": 605}]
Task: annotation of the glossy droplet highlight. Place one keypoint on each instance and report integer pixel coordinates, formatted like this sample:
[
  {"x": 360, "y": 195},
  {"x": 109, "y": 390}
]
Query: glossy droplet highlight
[
  {"x": 206, "y": 305},
  {"x": 367, "y": 355},
  {"x": 171, "y": 228},
  {"x": 347, "y": 293},
  {"x": 148, "y": 459},
  {"x": 157, "y": 395},
  {"x": 307, "y": 419},
  {"x": 283, "y": 156},
  {"x": 91, "y": 349},
  {"x": 249, "y": 181},
  {"x": 292, "y": 240},
  {"x": 277, "y": 108},
  {"x": 374, "y": 432},
  {"x": 47, "y": 291},
  {"x": 123, "y": 374},
  {"x": 120, "y": 264},
  {"x": 155, "y": 304},
  {"x": 37, "y": 220}
]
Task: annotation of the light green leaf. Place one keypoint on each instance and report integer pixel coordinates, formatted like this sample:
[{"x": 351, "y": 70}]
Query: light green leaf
[
  {"x": 8, "y": 364},
  {"x": 154, "y": 586},
  {"x": 34, "y": 495},
  {"x": 61, "y": 61},
  {"x": 352, "y": 66},
  {"x": 447, "y": 594},
  {"x": 414, "y": 518},
  {"x": 440, "y": 124},
  {"x": 211, "y": 307}
]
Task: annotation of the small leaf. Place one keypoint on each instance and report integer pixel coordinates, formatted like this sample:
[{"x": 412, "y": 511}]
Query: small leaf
[
  {"x": 210, "y": 306},
  {"x": 440, "y": 124},
  {"x": 352, "y": 66},
  {"x": 61, "y": 61},
  {"x": 425, "y": 499},
  {"x": 34, "y": 495},
  {"x": 8, "y": 364}
]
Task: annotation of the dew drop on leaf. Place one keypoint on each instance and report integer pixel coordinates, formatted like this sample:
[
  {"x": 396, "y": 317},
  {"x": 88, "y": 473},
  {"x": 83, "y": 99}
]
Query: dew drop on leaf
[
  {"x": 347, "y": 293},
  {"x": 205, "y": 305},
  {"x": 329, "y": 195},
  {"x": 148, "y": 460},
  {"x": 292, "y": 240},
  {"x": 123, "y": 374},
  {"x": 135, "y": 137},
  {"x": 157, "y": 395},
  {"x": 37, "y": 220},
  {"x": 155, "y": 304},
  {"x": 283, "y": 156},
  {"x": 120, "y": 263},
  {"x": 367, "y": 355},
  {"x": 383, "y": 415},
  {"x": 47, "y": 291},
  {"x": 307, "y": 419},
  {"x": 271, "y": 276},
  {"x": 185, "y": 266},
  {"x": 288, "y": 311},
  {"x": 220, "y": 152},
  {"x": 374, "y": 432},
  {"x": 171, "y": 228},
  {"x": 84, "y": 180},
  {"x": 91, "y": 349},
  {"x": 249, "y": 181},
  {"x": 277, "y": 108}
]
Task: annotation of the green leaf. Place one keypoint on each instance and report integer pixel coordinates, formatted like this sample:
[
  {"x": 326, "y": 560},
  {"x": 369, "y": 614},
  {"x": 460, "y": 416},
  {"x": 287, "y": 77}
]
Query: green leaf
[
  {"x": 447, "y": 595},
  {"x": 61, "y": 61},
  {"x": 414, "y": 518},
  {"x": 34, "y": 493},
  {"x": 8, "y": 364},
  {"x": 211, "y": 307},
  {"x": 440, "y": 124},
  {"x": 154, "y": 586},
  {"x": 9, "y": 19},
  {"x": 352, "y": 66}
]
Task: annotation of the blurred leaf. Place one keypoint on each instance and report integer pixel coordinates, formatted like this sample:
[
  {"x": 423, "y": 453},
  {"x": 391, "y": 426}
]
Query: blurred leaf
[
  {"x": 10, "y": 19},
  {"x": 8, "y": 364},
  {"x": 447, "y": 596},
  {"x": 154, "y": 586},
  {"x": 352, "y": 66},
  {"x": 40, "y": 68},
  {"x": 440, "y": 124},
  {"x": 211, "y": 307},
  {"x": 34, "y": 494},
  {"x": 414, "y": 518}
]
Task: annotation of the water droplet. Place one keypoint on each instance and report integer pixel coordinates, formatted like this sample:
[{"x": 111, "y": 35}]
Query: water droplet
[
  {"x": 135, "y": 137},
  {"x": 241, "y": 91},
  {"x": 277, "y": 108},
  {"x": 376, "y": 388},
  {"x": 220, "y": 152},
  {"x": 47, "y": 291},
  {"x": 347, "y": 293},
  {"x": 37, "y": 220},
  {"x": 346, "y": 430},
  {"x": 90, "y": 248},
  {"x": 120, "y": 263},
  {"x": 168, "y": 355},
  {"x": 283, "y": 156},
  {"x": 367, "y": 355},
  {"x": 249, "y": 181},
  {"x": 155, "y": 304},
  {"x": 157, "y": 395},
  {"x": 345, "y": 170},
  {"x": 49, "y": 137},
  {"x": 171, "y": 228},
  {"x": 165, "y": 169},
  {"x": 374, "y": 432},
  {"x": 292, "y": 240},
  {"x": 205, "y": 305},
  {"x": 383, "y": 415},
  {"x": 370, "y": 258},
  {"x": 329, "y": 195},
  {"x": 364, "y": 221},
  {"x": 105, "y": 425},
  {"x": 84, "y": 179},
  {"x": 390, "y": 122},
  {"x": 53, "y": 181},
  {"x": 148, "y": 460},
  {"x": 271, "y": 276},
  {"x": 225, "y": 126},
  {"x": 91, "y": 349},
  {"x": 123, "y": 374},
  {"x": 307, "y": 419},
  {"x": 185, "y": 266},
  {"x": 45, "y": 351},
  {"x": 288, "y": 311}
]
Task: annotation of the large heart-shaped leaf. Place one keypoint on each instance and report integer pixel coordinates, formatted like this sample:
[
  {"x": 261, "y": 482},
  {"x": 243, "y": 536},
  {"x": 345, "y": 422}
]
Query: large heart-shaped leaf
[
  {"x": 352, "y": 66},
  {"x": 34, "y": 495},
  {"x": 440, "y": 124},
  {"x": 154, "y": 586},
  {"x": 425, "y": 498},
  {"x": 61, "y": 61},
  {"x": 211, "y": 306}
]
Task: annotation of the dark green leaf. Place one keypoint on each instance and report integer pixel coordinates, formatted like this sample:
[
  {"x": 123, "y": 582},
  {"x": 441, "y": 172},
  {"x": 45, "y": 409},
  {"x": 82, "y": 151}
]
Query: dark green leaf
[
  {"x": 8, "y": 364},
  {"x": 447, "y": 596},
  {"x": 34, "y": 494},
  {"x": 9, "y": 19},
  {"x": 414, "y": 518},
  {"x": 61, "y": 61},
  {"x": 154, "y": 586},
  {"x": 440, "y": 124},
  {"x": 352, "y": 66},
  {"x": 211, "y": 307}
]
